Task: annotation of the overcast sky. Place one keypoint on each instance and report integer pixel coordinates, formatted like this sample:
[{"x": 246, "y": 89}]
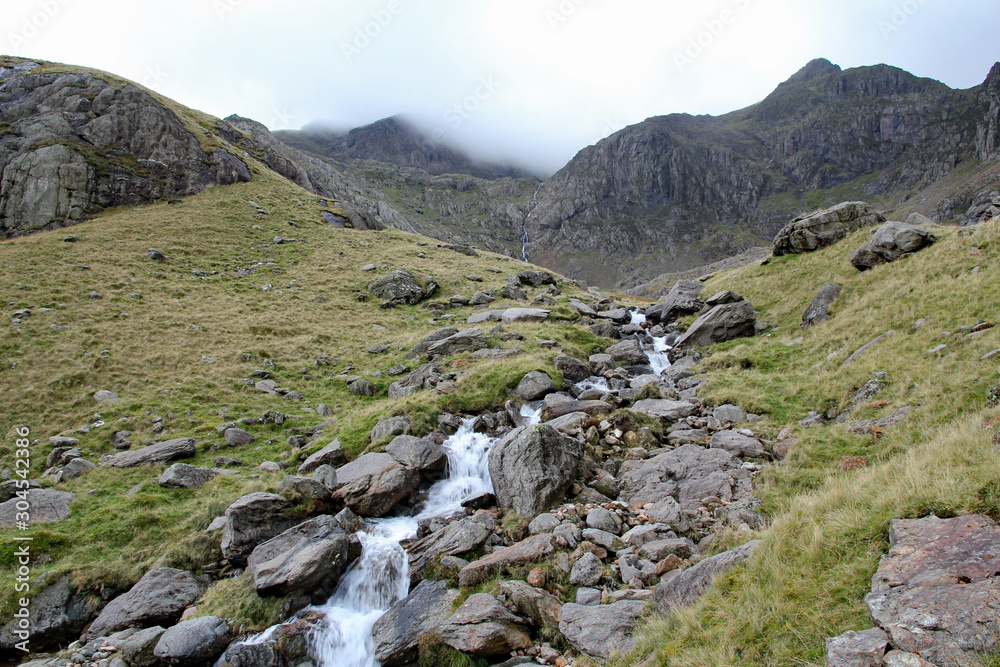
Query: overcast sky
[{"x": 528, "y": 81}]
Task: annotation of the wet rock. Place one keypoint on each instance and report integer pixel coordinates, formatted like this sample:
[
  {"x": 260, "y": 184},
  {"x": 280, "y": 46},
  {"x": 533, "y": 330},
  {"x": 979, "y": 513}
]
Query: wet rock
[
  {"x": 603, "y": 630},
  {"x": 366, "y": 464},
  {"x": 807, "y": 233},
  {"x": 158, "y": 598},
  {"x": 686, "y": 588},
  {"x": 722, "y": 323},
  {"x": 195, "y": 642},
  {"x": 252, "y": 520},
  {"x": 160, "y": 452},
  {"x": 484, "y": 627},
  {"x": 396, "y": 633},
  {"x": 417, "y": 453},
  {"x": 374, "y": 495},
  {"x": 819, "y": 310},
  {"x": 532, "y": 467},
  {"x": 308, "y": 557}
]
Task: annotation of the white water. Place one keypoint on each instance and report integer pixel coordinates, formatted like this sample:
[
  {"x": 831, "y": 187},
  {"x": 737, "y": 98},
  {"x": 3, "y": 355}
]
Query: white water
[
  {"x": 658, "y": 358},
  {"x": 524, "y": 228},
  {"x": 381, "y": 577}
]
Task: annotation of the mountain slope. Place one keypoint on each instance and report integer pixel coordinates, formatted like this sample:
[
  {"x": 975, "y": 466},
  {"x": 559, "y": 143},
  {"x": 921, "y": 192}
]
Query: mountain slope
[{"x": 677, "y": 191}]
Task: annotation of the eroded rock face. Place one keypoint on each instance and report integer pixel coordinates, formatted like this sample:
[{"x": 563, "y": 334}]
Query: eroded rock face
[
  {"x": 823, "y": 228},
  {"x": 53, "y": 177},
  {"x": 532, "y": 467}
]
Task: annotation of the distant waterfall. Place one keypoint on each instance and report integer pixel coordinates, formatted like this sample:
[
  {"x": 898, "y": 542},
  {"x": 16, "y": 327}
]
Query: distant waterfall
[{"x": 524, "y": 229}]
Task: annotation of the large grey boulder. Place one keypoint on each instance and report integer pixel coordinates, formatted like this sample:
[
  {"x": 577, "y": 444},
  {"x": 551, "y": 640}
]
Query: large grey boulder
[
  {"x": 469, "y": 340},
  {"x": 532, "y": 467},
  {"x": 403, "y": 287},
  {"x": 251, "y": 520},
  {"x": 721, "y": 323},
  {"x": 137, "y": 649},
  {"x": 417, "y": 453},
  {"x": 665, "y": 409},
  {"x": 374, "y": 495},
  {"x": 196, "y": 642},
  {"x": 455, "y": 539},
  {"x": 389, "y": 427},
  {"x": 366, "y": 464},
  {"x": 58, "y": 615},
  {"x": 628, "y": 352},
  {"x": 159, "y": 598},
  {"x": 601, "y": 631},
  {"x": 819, "y": 310},
  {"x": 309, "y": 557},
  {"x": 586, "y": 571},
  {"x": 415, "y": 381},
  {"x": 184, "y": 476},
  {"x": 331, "y": 455},
  {"x": 807, "y": 233},
  {"x": 686, "y": 588},
  {"x": 484, "y": 627},
  {"x": 683, "y": 299},
  {"x": 936, "y": 592},
  {"x": 306, "y": 487},
  {"x": 890, "y": 242},
  {"x": 528, "y": 315},
  {"x": 534, "y": 385},
  {"x": 397, "y": 632},
  {"x": 159, "y": 452},
  {"x": 47, "y": 505}
]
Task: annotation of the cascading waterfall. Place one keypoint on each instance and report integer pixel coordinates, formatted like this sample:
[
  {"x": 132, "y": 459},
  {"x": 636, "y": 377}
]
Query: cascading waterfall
[
  {"x": 524, "y": 228},
  {"x": 381, "y": 577},
  {"x": 658, "y": 358}
]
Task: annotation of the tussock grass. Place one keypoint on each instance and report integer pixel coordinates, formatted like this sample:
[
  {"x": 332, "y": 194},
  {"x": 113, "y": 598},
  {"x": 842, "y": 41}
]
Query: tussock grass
[{"x": 828, "y": 528}]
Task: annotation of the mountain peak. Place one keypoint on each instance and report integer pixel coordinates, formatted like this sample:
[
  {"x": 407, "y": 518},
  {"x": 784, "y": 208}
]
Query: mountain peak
[{"x": 814, "y": 69}]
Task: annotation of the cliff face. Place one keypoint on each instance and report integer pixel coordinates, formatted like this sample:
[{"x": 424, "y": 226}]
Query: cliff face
[
  {"x": 72, "y": 143},
  {"x": 678, "y": 191},
  {"x": 395, "y": 141}
]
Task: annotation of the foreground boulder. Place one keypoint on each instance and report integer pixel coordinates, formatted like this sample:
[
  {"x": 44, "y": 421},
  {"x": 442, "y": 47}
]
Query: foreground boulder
[
  {"x": 308, "y": 557},
  {"x": 252, "y": 520},
  {"x": 601, "y": 631},
  {"x": 397, "y": 632},
  {"x": 196, "y": 642},
  {"x": 403, "y": 287},
  {"x": 159, "y": 452},
  {"x": 374, "y": 495},
  {"x": 58, "y": 614},
  {"x": 890, "y": 242},
  {"x": 807, "y": 233},
  {"x": 722, "y": 323},
  {"x": 158, "y": 598},
  {"x": 455, "y": 539},
  {"x": 936, "y": 593},
  {"x": 532, "y": 467},
  {"x": 417, "y": 453},
  {"x": 484, "y": 627},
  {"x": 686, "y": 588}
]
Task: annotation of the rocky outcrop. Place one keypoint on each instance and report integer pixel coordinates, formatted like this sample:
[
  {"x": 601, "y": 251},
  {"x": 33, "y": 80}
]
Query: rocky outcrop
[
  {"x": 684, "y": 298},
  {"x": 890, "y": 242},
  {"x": 456, "y": 539},
  {"x": 47, "y": 505},
  {"x": 401, "y": 287},
  {"x": 532, "y": 467},
  {"x": 603, "y": 630},
  {"x": 76, "y": 144},
  {"x": 252, "y": 520},
  {"x": 158, "y": 598},
  {"x": 823, "y": 228},
  {"x": 484, "y": 627},
  {"x": 374, "y": 495},
  {"x": 721, "y": 323},
  {"x": 935, "y": 593}
]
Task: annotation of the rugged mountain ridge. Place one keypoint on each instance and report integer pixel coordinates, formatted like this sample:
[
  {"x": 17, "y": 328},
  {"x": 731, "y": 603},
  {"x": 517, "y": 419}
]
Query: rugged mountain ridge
[
  {"x": 397, "y": 141},
  {"x": 676, "y": 191}
]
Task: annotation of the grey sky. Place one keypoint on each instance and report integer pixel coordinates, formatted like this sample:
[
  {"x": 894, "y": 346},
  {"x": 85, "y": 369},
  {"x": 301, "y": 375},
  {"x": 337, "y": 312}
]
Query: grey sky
[{"x": 530, "y": 81}]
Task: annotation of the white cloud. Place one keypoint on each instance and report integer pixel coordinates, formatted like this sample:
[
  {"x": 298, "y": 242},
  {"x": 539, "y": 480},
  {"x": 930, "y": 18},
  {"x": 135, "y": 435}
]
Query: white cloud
[{"x": 565, "y": 72}]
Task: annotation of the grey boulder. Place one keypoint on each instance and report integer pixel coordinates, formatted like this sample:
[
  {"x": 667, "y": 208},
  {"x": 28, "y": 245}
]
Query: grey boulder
[
  {"x": 683, "y": 299},
  {"x": 820, "y": 229},
  {"x": 628, "y": 352},
  {"x": 158, "y": 598},
  {"x": 484, "y": 627},
  {"x": 374, "y": 495},
  {"x": 534, "y": 385},
  {"x": 58, "y": 615},
  {"x": 737, "y": 444},
  {"x": 469, "y": 340},
  {"x": 403, "y": 287},
  {"x": 819, "y": 310},
  {"x": 601, "y": 631},
  {"x": 725, "y": 322},
  {"x": 890, "y": 242},
  {"x": 686, "y": 588},
  {"x": 455, "y": 539},
  {"x": 332, "y": 455},
  {"x": 417, "y": 453},
  {"x": 159, "y": 452},
  {"x": 532, "y": 467},
  {"x": 196, "y": 642},
  {"x": 47, "y": 506},
  {"x": 305, "y": 558},
  {"x": 251, "y": 520},
  {"x": 184, "y": 476},
  {"x": 397, "y": 632}
]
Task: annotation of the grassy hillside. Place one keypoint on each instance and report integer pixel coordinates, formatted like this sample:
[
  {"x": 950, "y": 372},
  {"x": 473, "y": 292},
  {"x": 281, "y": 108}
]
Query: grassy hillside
[
  {"x": 177, "y": 339},
  {"x": 829, "y": 527}
]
